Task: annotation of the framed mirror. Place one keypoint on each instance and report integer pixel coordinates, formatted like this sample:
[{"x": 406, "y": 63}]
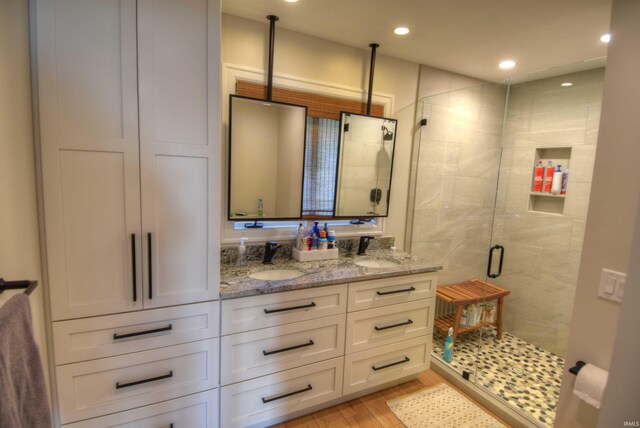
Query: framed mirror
[
  {"x": 266, "y": 159},
  {"x": 365, "y": 163}
]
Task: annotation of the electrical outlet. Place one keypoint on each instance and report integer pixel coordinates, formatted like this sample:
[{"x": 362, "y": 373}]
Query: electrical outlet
[{"x": 612, "y": 285}]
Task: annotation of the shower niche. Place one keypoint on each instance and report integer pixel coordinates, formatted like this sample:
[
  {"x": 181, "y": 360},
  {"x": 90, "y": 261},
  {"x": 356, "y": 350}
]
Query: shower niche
[{"x": 545, "y": 202}]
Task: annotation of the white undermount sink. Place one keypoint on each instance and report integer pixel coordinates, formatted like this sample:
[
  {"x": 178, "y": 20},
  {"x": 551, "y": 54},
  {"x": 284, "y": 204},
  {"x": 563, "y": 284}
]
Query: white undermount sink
[
  {"x": 372, "y": 263},
  {"x": 276, "y": 274}
]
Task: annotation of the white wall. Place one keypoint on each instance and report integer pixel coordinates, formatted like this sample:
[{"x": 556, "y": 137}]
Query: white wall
[
  {"x": 244, "y": 43},
  {"x": 609, "y": 230},
  {"x": 255, "y": 137},
  {"x": 19, "y": 242}
]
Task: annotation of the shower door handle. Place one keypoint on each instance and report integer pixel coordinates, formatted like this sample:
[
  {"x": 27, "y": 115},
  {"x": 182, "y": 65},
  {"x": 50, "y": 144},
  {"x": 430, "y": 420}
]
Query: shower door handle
[{"x": 495, "y": 275}]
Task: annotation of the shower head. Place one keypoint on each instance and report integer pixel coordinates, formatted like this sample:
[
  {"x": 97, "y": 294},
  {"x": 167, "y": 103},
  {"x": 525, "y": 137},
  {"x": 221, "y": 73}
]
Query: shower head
[{"x": 386, "y": 134}]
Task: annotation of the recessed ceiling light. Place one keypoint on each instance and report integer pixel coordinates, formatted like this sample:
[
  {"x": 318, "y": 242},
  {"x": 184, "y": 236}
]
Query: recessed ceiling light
[
  {"x": 401, "y": 31},
  {"x": 507, "y": 64},
  {"x": 566, "y": 84},
  {"x": 605, "y": 38},
  {"x": 291, "y": 1}
]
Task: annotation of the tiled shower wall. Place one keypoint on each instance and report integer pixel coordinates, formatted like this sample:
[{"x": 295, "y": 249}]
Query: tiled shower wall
[
  {"x": 543, "y": 250},
  {"x": 457, "y": 169},
  {"x": 455, "y": 190}
]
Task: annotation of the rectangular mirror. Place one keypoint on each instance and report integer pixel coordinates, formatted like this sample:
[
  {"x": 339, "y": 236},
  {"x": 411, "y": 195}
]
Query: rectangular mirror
[
  {"x": 266, "y": 159},
  {"x": 365, "y": 162}
]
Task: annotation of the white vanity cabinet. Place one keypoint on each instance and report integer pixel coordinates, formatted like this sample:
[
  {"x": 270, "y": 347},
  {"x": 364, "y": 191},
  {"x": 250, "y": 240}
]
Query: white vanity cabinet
[
  {"x": 290, "y": 353},
  {"x": 392, "y": 339},
  {"x": 129, "y": 123}
]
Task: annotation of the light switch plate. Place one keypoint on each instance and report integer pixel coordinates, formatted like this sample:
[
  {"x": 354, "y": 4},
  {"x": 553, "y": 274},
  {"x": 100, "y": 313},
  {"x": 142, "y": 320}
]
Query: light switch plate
[{"x": 612, "y": 285}]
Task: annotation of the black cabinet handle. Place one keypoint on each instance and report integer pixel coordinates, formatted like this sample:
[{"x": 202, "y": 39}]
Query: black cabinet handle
[
  {"x": 495, "y": 275},
  {"x": 150, "y": 266},
  {"x": 406, "y": 360},
  {"x": 292, "y": 308},
  {"x": 407, "y": 322},
  {"x": 290, "y": 348},
  {"x": 117, "y": 336},
  {"x": 133, "y": 267},
  {"x": 139, "y": 382},
  {"x": 404, "y": 290},
  {"x": 288, "y": 394}
]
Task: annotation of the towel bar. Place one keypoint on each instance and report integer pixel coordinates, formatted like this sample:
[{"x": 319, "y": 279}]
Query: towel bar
[{"x": 27, "y": 285}]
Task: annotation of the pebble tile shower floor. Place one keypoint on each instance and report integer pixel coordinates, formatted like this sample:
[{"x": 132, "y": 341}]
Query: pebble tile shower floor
[{"x": 523, "y": 375}]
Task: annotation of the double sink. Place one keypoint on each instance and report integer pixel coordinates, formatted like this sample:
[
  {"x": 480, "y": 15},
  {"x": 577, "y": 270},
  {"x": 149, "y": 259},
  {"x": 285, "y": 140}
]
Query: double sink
[{"x": 285, "y": 274}]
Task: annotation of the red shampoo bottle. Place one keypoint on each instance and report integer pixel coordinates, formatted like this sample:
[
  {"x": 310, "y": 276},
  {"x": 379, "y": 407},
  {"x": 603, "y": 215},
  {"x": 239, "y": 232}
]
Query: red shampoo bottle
[{"x": 538, "y": 177}]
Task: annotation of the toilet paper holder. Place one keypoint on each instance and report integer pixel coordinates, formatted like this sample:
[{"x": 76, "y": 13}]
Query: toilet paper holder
[{"x": 575, "y": 369}]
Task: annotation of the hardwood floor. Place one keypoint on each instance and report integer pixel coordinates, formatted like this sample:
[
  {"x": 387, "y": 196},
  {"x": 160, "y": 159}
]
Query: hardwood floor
[{"x": 370, "y": 411}]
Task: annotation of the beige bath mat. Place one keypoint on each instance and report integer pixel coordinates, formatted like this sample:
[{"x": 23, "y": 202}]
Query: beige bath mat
[{"x": 441, "y": 406}]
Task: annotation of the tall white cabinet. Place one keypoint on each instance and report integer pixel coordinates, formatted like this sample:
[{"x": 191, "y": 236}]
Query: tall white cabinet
[{"x": 128, "y": 95}]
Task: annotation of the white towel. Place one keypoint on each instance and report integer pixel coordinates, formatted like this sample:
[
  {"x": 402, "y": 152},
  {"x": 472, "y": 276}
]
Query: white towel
[{"x": 590, "y": 384}]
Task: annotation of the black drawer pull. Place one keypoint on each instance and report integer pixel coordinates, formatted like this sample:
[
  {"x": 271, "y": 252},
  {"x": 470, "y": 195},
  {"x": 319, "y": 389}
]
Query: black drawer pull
[
  {"x": 406, "y": 360},
  {"x": 133, "y": 267},
  {"x": 404, "y": 290},
  {"x": 407, "y": 322},
  {"x": 117, "y": 336},
  {"x": 290, "y": 348},
  {"x": 288, "y": 394},
  {"x": 292, "y": 308},
  {"x": 150, "y": 265},
  {"x": 138, "y": 382}
]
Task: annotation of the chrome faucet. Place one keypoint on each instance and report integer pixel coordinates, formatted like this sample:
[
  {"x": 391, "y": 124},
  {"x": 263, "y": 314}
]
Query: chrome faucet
[
  {"x": 364, "y": 243},
  {"x": 270, "y": 249}
]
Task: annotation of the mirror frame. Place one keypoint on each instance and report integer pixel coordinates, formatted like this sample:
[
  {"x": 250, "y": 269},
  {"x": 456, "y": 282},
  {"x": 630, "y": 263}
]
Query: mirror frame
[
  {"x": 393, "y": 154},
  {"x": 229, "y": 147}
]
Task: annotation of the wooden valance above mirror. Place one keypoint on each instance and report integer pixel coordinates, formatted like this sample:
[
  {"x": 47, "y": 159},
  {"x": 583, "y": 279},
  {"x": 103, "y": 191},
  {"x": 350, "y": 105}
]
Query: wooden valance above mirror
[{"x": 323, "y": 106}]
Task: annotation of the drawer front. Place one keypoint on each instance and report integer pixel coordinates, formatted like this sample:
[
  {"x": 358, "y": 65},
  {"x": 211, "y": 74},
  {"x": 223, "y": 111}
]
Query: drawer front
[
  {"x": 377, "y": 366},
  {"x": 249, "y": 313},
  {"x": 100, "y": 337},
  {"x": 270, "y": 350},
  {"x": 382, "y": 326},
  {"x": 109, "y": 385},
  {"x": 390, "y": 291},
  {"x": 258, "y": 400},
  {"x": 193, "y": 411}
]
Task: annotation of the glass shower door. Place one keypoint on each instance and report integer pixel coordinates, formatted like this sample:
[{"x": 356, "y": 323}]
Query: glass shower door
[
  {"x": 455, "y": 187},
  {"x": 541, "y": 232}
]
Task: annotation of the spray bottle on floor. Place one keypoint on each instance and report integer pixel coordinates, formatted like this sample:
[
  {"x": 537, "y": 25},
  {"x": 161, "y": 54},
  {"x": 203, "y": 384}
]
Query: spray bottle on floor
[{"x": 447, "y": 351}]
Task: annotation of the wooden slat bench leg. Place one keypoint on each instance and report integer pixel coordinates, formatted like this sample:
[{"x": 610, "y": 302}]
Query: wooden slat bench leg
[{"x": 456, "y": 322}]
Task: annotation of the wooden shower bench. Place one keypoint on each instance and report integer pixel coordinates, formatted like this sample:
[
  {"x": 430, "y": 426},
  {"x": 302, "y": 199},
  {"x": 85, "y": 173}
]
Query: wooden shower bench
[{"x": 466, "y": 293}]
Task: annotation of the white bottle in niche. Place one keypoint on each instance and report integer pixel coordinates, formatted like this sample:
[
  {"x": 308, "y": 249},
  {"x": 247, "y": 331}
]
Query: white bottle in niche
[{"x": 556, "y": 185}]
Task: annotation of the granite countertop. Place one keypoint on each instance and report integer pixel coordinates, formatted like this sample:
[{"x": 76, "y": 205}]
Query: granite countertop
[{"x": 235, "y": 281}]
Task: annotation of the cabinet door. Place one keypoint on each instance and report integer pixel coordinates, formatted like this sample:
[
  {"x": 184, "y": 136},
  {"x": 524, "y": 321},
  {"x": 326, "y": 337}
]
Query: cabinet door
[
  {"x": 90, "y": 164},
  {"x": 178, "y": 62}
]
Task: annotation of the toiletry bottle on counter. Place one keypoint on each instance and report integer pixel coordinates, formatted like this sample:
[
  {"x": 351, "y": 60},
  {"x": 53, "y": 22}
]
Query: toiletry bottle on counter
[
  {"x": 447, "y": 349},
  {"x": 556, "y": 184},
  {"x": 331, "y": 237},
  {"x": 260, "y": 208},
  {"x": 323, "y": 243},
  {"x": 548, "y": 177},
  {"x": 300, "y": 238},
  {"x": 538, "y": 177},
  {"x": 565, "y": 178},
  {"x": 241, "y": 252}
]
